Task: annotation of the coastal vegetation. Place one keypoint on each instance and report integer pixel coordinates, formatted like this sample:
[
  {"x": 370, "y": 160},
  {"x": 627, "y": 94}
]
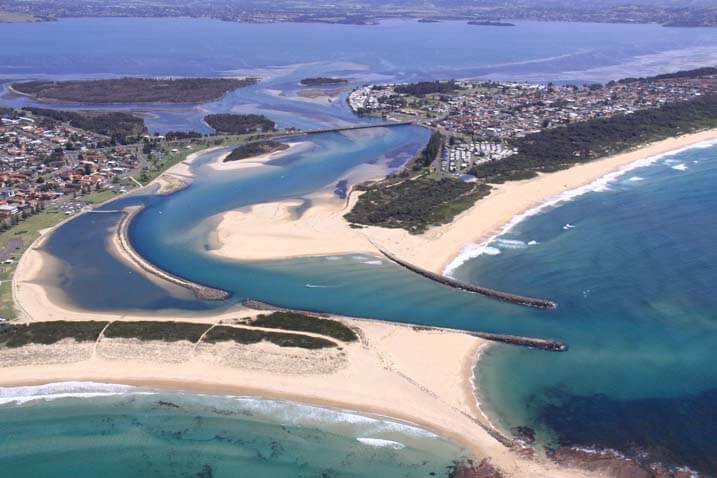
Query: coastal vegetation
[
  {"x": 159, "y": 163},
  {"x": 250, "y": 336},
  {"x": 323, "y": 81},
  {"x": 121, "y": 127},
  {"x": 415, "y": 199},
  {"x": 239, "y": 124},
  {"x": 430, "y": 152},
  {"x": 560, "y": 148},
  {"x": 423, "y": 88},
  {"x": 306, "y": 323},
  {"x": 149, "y": 330},
  {"x": 255, "y": 148},
  {"x": 133, "y": 90},
  {"x": 415, "y": 204},
  {"x": 682, "y": 74},
  {"x": 48, "y": 333}
]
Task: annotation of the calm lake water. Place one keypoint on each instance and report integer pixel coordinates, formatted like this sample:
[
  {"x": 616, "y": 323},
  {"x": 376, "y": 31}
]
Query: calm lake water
[{"x": 633, "y": 277}]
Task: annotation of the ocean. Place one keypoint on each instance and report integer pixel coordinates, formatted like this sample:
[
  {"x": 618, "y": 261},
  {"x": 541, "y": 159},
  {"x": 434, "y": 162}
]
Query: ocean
[
  {"x": 87, "y": 429},
  {"x": 630, "y": 261}
]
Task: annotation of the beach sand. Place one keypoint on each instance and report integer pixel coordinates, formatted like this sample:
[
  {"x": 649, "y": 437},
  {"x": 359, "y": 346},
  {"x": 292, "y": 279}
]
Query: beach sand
[
  {"x": 420, "y": 376},
  {"x": 255, "y": 161},
  {"x": 381, "y": 375},
  {"x": 270, "y": 231}
]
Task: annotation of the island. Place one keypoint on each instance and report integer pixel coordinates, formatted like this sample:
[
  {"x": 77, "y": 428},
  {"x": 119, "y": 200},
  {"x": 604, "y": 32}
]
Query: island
[
  {"x": 256, "y": 148},
  {"x": 131, "y": 90},
  {"x": 239, "y": 123},
  {"x": 488, "y": 23},
  {"x": 323, "y": 81}
]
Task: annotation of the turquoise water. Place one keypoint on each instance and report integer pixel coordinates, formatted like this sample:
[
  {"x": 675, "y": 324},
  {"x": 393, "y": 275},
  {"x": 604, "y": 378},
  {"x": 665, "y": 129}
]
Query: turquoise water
[
  {"x": 635, "y": 280},
  {"x": 81, "y": 429},
  {"x": 633, "y": 277}
]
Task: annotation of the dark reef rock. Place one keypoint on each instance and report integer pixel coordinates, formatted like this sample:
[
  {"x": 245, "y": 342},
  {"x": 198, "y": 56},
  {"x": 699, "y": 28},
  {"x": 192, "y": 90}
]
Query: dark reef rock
[
  {"x": 469, "y": 469},
  {"x": 524, "y": 434},
  {"x": 614, "y": 464}
]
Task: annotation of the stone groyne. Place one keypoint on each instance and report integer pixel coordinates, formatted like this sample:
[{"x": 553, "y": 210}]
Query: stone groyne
[
  {"x": 531, "y": 342},
  {"x": 544, "y": 344},
  {"x": 259, "y": 305},
  {"x": 490, "y": 293},
  {"x": 200, "y": 291}
]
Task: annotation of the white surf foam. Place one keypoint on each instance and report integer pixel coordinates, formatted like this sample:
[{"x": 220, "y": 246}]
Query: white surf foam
[
  {"x": 373, "y": 262},
  {"x": 54, "y": 391},
  {"x": 680, "y": 167},
  {"x": 307, "y": 415},
  {"x": 533, "y": 243},
  {"x": 636, "y": 178},
  {"x": 510, "y": 244},
  {"x": 472, "y": 251},
  {"x": 379, "y": 443},
  {"x": 568, "y": 226}
]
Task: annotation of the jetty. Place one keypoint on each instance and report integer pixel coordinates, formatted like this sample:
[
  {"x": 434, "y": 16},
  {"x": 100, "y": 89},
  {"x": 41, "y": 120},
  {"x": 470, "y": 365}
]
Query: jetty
[
  {"x": 490, "y": 293},
  {"x": 201, "y": 292},
  {"x": 549, "y": 345}
]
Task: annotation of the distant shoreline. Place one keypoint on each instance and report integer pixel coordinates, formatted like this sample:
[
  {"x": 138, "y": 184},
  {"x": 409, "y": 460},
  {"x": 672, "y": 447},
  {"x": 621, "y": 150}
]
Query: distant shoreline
[{"x": 130, "y": 90}]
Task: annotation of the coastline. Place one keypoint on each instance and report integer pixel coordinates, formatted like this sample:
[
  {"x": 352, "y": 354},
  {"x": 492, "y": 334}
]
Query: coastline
[
  {"x": 381, "y": 375},
  {"x": 297, "y": 390},
  {"x": 442, "y": 248}
]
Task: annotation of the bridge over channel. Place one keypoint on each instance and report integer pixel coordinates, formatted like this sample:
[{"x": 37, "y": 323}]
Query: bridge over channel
[{"x": 338, "y": 129}]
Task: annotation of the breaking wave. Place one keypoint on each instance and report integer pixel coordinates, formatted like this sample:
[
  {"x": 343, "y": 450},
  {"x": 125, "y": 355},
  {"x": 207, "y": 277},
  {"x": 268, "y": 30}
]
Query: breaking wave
[
  {"x": 601, "y": 184},
  {"x": 379, "y": 443}
]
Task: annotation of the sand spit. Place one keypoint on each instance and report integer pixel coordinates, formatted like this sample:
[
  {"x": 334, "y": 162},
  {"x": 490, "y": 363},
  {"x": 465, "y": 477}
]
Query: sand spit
[{"x": 419, "y": 376}]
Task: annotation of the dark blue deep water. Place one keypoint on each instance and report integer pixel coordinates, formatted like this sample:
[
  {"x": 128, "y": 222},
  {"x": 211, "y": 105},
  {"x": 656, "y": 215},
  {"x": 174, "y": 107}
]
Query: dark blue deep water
[{"x": 634, "y": 277}]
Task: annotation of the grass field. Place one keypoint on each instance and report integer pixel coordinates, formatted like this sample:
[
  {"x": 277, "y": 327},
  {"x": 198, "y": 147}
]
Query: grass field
[{"x": 99, "y": 196}]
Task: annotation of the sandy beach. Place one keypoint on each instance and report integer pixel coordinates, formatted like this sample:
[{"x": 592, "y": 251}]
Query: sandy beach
[
  {"x": 255, "y": 161},
  {"x": 382, "y": 375},
  {"x": 275, "y": 230},
  {"x": 270, "y": 231}
]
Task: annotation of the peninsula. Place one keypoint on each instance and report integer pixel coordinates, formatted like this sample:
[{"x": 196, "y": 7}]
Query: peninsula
[
  {"x": 489, "y": 133},
  {"x": 132, "y": 90}
]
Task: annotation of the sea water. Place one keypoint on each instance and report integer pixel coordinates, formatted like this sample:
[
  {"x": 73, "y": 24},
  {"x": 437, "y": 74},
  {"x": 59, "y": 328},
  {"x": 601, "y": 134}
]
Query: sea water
[
  {"x": 634, "y": 278},
  {"x": 87, "y": 429}
]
